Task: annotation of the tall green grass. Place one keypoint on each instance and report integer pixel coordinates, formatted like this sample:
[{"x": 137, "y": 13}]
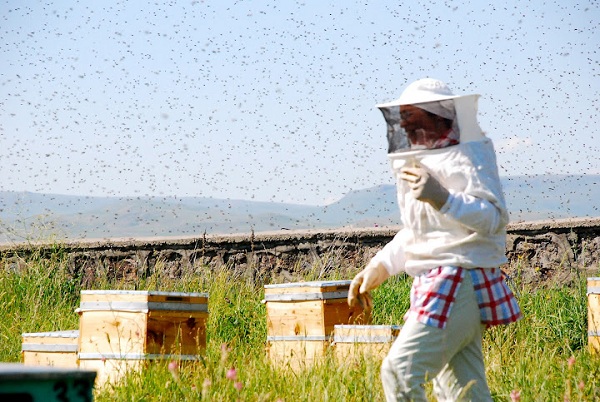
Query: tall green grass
[{"x": 543, "y": 357}]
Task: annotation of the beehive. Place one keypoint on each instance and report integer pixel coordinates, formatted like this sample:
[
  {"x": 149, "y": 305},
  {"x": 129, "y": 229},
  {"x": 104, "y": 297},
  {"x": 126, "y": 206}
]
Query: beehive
[
  {"x": 58, "y": 348},
  {"x": 301, "y": 317},
  {"x": 593, "y": 295},
  {"x": 120, "y": 330},
  {"x": 364, "y": 341}
]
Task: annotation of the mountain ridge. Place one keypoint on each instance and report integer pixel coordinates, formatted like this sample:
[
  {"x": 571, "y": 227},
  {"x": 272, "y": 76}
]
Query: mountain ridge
[{"x": 28, "y": 215}]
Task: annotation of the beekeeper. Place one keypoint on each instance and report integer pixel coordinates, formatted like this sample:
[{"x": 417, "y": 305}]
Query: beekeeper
[{"x": 452, "y": 242}]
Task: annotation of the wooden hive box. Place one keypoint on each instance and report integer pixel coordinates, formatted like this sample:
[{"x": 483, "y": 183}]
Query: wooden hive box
[
  {"x": 58, "y": 349},
  {"x": 593, "y": 296},
  {"x": 301, "y": 317},
  {"x": 121, "y": 330},
  {"x": 364, "y": 341}
]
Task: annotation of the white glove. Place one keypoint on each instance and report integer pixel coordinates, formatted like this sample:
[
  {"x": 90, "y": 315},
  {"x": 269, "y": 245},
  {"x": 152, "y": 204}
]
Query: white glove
[
  {"x": 366, "y": 280},
  {"x": 424, "y": 187}
]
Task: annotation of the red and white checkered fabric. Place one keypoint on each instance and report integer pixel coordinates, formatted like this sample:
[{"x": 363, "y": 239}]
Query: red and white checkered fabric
[{"x": 432, "y": 296}]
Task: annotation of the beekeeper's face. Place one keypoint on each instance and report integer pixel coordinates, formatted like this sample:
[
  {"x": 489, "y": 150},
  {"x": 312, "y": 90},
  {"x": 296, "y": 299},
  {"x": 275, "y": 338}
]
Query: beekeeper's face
[{"x": 422, "y": 127}]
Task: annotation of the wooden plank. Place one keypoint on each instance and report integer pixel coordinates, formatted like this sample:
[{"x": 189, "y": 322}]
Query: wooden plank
[
  {"x": 364, "y": 341},
  {"x": 297, "y": 354},
  {"x": 112, "y": 332},
  {"x": 299, "y": 318},
  {"x": 594, "y": 344},
  {"x": 112, "y": 370},
  {"x": 594, "y": 312},
  {"x": 308, "y": 287},
  {"x": 593, "y": 307},
  {"x": 142, "y": 296},
  {"x": 51, "y": 338},
  {"x": 67, "y": 359},
  {"x": 338, "y": 312},
  {"x": 176, "y": 332},
  {"x": 366, "y": 333},
  {"x": 593, "y": 295}
]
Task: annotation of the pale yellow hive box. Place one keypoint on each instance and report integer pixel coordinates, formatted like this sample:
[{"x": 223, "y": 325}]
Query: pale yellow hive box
[
  {"x": 364, "y": 341},
  {"x": 301, "y": 317},
  {"x": 56, "y": 348},
  {"x": 123, "y": 330},
  {"x": 593, "y": 295}
]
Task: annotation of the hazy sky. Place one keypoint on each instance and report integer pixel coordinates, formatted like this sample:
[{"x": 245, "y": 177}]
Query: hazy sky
[{"x": 274, "y": 100}]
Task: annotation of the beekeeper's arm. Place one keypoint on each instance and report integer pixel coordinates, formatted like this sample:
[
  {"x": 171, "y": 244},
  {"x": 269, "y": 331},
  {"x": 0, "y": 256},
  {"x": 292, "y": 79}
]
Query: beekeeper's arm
[
  {"x": 478, "y": 214},
  {"x": 387, "y": 262}
]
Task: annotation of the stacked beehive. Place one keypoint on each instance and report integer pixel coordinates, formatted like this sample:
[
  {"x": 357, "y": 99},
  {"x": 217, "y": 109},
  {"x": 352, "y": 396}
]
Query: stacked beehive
[
  {"x": 121, "y": 330},
  {"x": 58, "y": 348},
  {"x": 301, "y": 317},
  {"x": 593, "y": 294}
]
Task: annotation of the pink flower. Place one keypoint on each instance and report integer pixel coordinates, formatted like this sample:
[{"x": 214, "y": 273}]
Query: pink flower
[
  {"x": 238, "y": 385},
  {"x": 174, "y": 369},
  {"x": 515, "y": 395},
  {"x": 581, "y": 385},
  {"x": 571, "y": 362},
  {"x": 224, "y": 352},
  {"x": 205, "y": 388},
  {"x": 231, "y": 374}
]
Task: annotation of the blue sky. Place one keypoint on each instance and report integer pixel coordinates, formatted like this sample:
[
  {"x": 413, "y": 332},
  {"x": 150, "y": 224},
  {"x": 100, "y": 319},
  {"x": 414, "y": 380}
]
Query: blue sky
[{"x": 274, "y": 100}]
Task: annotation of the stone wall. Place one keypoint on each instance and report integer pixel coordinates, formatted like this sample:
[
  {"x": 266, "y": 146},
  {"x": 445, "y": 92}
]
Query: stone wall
[
  {"x": 544, "y": 252},
  {"x": 554, "y": 252}
]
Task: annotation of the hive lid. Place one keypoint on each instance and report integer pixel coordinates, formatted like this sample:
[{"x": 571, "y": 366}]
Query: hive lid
[
  {"x": 73, "y": 333},
  {"x": 312, "y": 284},
  {"x": 141, "y": 301},
  {"x": 304, "y": 291},
  {"x": 143, "y": 293}
]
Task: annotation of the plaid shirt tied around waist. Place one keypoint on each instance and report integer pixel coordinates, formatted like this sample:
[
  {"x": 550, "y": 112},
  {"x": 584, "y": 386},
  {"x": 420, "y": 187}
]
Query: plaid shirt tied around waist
[{"x": 432, "y": 296}]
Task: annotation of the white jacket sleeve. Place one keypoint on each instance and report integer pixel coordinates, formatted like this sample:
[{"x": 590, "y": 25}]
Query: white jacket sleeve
[
  {"x": 477, "y": 214},
  {"x": 480, "y": 205},
  {"x": 391, "y": 256}
]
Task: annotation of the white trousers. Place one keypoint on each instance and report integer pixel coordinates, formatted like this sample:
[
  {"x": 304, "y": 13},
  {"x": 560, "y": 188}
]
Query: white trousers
[{"x": 450, "y": 357}]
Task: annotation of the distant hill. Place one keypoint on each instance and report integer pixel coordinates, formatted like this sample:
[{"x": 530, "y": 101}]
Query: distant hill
[
  {"x": 552, "y": 196},
  {"x": 34, "y": 216}
]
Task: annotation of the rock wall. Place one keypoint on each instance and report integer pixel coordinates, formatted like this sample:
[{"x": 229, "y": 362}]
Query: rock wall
[{"x": 544, "y": 252}]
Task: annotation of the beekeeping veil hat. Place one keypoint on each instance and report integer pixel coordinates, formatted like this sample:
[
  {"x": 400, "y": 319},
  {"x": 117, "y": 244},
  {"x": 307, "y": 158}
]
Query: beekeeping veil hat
[{"x": 435, "y": 97}]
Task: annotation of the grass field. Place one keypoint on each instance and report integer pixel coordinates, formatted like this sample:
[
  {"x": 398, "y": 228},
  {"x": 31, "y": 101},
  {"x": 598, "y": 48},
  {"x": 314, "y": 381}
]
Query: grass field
[{"x": 543, "y": 357}]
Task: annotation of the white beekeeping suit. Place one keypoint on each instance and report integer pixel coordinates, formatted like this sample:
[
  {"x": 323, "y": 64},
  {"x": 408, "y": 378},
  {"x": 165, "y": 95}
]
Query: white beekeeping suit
[
  {"x": 468, "y": 170},
  {"x": 452, "y": 243}
]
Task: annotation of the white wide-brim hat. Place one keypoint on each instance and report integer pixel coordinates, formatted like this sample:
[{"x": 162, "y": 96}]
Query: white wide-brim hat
[
  {"x": 431, "y": 90},
  {"x": 422, "y": 91}
]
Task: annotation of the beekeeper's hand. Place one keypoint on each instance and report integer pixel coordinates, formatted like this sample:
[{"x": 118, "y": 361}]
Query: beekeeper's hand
[
  {"x": 424, "y": 187},
  {"x": 366, "y": 280}
]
